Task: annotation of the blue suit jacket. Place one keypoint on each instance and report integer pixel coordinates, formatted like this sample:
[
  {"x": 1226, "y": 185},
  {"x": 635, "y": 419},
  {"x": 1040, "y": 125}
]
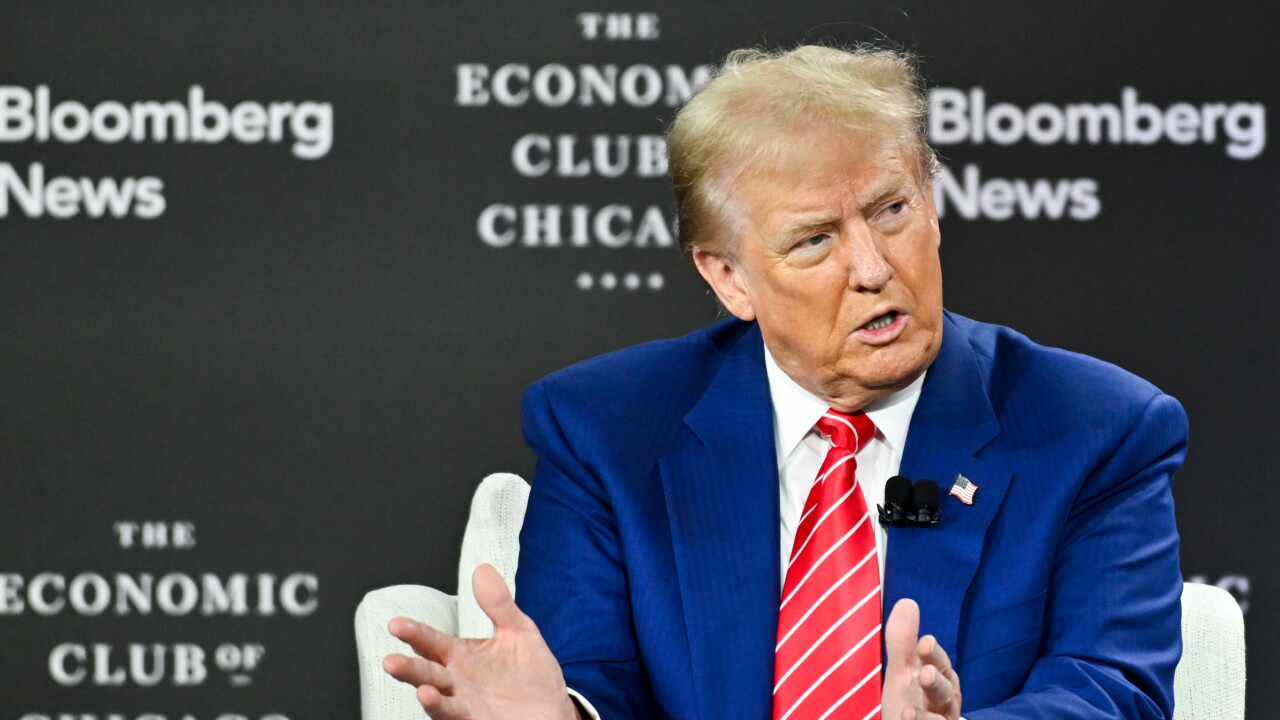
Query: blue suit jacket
[{"x": 650, "y": 559}]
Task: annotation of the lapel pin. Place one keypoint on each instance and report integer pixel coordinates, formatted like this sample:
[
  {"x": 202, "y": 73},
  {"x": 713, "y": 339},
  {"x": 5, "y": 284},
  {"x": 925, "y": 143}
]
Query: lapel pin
[{"x": 963, "y": 489}]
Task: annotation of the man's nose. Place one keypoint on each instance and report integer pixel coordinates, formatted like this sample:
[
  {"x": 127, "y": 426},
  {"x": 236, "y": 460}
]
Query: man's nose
[{"x": 869, "y": 269}]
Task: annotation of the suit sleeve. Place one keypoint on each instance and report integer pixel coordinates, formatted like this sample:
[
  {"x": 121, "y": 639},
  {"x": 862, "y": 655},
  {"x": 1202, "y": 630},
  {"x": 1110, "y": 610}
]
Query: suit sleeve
[
  {"x": 1113, "y": 619},
  {"x": 571, "y": 578}
]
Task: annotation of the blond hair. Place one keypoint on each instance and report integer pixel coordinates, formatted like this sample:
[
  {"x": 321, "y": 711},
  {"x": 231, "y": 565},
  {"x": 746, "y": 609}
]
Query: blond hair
[{"x": 756, "y": 103}]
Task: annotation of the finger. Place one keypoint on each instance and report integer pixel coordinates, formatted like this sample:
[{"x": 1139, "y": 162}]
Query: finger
[
  {"x": 940, "y": 694},
  {"x": 424, "y": 639},
  {"x": 932, "y": 653},
  {"x": 440, "y": 706},
  {"x": 900, "y": 633},
  {"x": 938, "y": 678},
  {"x": 418, "y": 671},
  {"x": 495, "y": 599}
]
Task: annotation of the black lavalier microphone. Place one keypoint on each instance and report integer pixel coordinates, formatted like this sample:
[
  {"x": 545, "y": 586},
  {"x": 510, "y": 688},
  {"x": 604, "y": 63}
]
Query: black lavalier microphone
[
  {"x": 924, "y": 499},
  {"x": 897, "y": 501}
]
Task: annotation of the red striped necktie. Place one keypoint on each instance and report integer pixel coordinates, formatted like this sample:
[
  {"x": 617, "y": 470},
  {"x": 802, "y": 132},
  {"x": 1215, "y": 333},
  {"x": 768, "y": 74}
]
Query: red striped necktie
[{"x": 827, "y": 661}]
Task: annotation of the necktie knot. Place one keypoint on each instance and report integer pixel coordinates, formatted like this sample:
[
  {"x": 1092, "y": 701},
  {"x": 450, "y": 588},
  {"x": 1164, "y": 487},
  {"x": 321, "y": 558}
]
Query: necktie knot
[{"x": 847, "y": 431}]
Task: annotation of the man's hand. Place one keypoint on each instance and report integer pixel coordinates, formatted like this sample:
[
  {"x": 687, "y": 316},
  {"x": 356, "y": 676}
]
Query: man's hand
[
  {"x": 919, "y": 682},
  {"x": 511, "y": 675}
]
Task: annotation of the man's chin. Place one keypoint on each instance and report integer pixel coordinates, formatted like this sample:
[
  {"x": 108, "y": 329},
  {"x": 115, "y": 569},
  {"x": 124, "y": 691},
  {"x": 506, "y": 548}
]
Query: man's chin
[{"x": 884, "y": 375}]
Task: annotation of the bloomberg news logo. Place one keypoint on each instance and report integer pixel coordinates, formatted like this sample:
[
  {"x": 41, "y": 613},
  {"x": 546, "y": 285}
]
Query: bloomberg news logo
[
  {"x": 967, "y": 117},
  {"x": 39, "y": 116}
]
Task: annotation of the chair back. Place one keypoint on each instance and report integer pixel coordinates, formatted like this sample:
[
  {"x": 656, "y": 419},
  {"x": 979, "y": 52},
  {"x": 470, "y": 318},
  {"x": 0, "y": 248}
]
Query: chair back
[
  {"x": 492, "y": 536},
  {"x": 1209, "y": 681}
]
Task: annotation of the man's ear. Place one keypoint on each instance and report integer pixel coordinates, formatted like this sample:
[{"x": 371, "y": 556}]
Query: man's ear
[{"x": 722, "y": 274}]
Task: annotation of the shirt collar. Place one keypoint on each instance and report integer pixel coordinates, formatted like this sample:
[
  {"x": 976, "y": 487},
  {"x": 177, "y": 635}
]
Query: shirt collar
[{"x": 796, "y": 410}]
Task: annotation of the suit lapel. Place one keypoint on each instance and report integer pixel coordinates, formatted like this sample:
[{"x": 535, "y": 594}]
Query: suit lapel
[
  {"x": 952, "y": 423},
  {"x": 721, "y": 488}
]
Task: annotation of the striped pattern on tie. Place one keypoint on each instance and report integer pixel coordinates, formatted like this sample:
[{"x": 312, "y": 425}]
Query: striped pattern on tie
[{"x": 828, "y": 657}]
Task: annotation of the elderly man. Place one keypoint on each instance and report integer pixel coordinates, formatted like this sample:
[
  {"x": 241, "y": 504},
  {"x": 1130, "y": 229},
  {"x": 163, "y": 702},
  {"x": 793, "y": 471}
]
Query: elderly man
[{"x": 700, "y": 539}]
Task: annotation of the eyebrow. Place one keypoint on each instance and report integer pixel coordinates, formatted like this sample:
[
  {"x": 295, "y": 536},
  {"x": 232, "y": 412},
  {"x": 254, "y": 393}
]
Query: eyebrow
[
  {"x": 808, "y": 226},
  {"x": 886, "y": 188}
]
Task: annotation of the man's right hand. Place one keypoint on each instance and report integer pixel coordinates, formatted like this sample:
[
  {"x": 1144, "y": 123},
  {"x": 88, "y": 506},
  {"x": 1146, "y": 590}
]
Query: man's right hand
[
  {"x": 510, "y": 675},
  {"x": 919, "y": 681}
]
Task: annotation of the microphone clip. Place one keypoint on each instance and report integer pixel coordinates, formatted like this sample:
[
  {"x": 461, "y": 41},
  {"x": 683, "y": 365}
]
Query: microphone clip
[
  {"x": 895, "y": 515},
  {"x": 924, "y": 517},
  {"x": 910, "y": 504}
]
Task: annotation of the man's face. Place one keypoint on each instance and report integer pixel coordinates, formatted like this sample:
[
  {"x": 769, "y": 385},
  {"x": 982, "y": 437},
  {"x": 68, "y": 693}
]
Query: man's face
[{"x": 838, "y": 261}]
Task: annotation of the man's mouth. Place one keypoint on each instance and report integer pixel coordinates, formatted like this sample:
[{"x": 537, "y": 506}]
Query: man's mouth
[{"x": 882, "y": 321}]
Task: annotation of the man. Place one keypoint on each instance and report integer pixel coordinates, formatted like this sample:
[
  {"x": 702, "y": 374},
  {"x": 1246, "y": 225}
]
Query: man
[{"x": 675, "y": 477}]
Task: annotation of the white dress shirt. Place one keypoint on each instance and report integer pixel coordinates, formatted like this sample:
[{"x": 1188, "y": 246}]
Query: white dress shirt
[{"x": 801, "y": 450}]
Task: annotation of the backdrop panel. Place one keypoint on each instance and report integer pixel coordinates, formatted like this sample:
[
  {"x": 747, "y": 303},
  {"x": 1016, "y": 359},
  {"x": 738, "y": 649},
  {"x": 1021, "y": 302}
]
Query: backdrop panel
[{"x": 273, "y": 278}]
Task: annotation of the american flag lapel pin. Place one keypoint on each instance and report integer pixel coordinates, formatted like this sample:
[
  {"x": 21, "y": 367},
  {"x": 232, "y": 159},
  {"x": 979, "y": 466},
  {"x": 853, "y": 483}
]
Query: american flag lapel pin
[{"x": 963, "y": 489}]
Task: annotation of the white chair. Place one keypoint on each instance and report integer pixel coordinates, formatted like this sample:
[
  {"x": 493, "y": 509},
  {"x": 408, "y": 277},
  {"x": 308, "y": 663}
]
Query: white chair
[
  {"x": 492, "y": 536},
  {"x": 1208, "y": 685},
  {"x": 1209, "y": 681}
]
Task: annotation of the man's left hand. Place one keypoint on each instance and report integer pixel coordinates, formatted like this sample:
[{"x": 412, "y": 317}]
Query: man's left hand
[{"x": 919, "y": 682}]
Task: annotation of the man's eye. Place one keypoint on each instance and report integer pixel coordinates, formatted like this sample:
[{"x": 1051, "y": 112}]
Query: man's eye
[
  {"x": 896, "y": 208},
  {"x": 815, "y": 240}
]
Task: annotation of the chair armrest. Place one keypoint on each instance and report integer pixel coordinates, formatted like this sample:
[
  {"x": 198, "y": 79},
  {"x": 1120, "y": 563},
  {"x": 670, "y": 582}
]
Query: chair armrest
[
  {"x": 381, "y": 696},
  {"x": 1210, "y": 679}
]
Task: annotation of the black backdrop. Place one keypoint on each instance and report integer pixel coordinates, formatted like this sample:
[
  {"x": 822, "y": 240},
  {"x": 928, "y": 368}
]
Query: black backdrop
[{"x": 309, "y": 362}]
